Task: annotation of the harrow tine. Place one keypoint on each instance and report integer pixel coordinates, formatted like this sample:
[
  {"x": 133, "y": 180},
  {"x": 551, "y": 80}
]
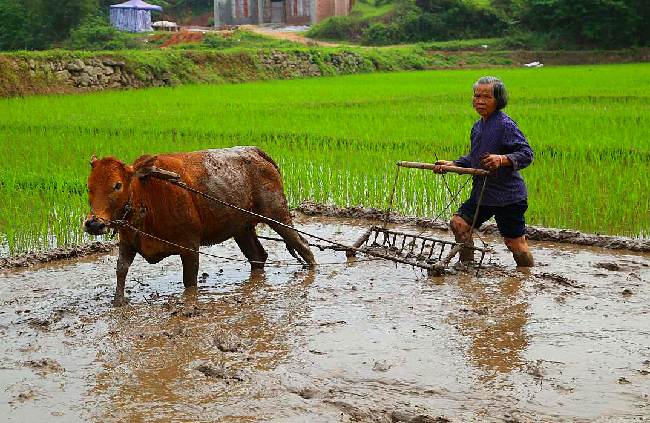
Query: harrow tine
[
  {"x": 480, "y": 263},
  {"x": 433, "y": 246},
  {"x": 421, "y": 251}
]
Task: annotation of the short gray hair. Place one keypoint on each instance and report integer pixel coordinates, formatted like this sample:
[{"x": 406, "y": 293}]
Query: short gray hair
[{"x": 498, "y": 89}]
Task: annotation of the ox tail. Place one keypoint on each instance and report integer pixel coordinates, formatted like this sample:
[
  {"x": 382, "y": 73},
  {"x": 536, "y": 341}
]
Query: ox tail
[
  {"x": 292, "y": 251},
  {"x": 267, "y": 158}
]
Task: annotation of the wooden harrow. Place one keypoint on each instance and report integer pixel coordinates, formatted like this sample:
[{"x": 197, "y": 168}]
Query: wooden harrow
[
  {"x": 416, "y": 250},
  {"x": 425, "y": 252}
]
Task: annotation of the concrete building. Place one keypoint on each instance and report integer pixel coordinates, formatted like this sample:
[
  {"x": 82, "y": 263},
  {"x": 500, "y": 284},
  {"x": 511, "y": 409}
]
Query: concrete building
[{"x": 289, "y": 12}]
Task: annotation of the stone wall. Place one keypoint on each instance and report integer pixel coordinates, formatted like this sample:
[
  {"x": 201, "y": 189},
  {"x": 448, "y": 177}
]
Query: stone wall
[
  {"x": 94, "y": 73},
  {"x": 315, "y": 63},
  {"x": 74, "y": 74}
]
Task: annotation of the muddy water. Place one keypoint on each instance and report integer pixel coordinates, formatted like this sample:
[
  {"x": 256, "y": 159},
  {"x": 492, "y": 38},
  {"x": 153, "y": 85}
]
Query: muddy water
[{"x": 361, "y": 340}]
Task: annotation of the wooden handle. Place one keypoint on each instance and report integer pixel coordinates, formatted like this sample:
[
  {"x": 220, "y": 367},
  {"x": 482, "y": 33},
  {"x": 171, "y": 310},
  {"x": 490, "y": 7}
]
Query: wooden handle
[{"x": 454, "y": 169}]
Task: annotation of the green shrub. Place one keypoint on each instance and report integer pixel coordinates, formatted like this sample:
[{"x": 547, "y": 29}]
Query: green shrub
[
  {"x": 433, "y": 27},
  {"x": 425, "y": 20},
  {"x": 410, "y": 27},
  {"x": 589, "y": 23},
  {"x": 378, "y": 34},
  {"x": 215, "y": 42},
  {"x": 97, "y": 34},
  {"x": 339, "y": 28},
  {"x": 243, "y": 39}
]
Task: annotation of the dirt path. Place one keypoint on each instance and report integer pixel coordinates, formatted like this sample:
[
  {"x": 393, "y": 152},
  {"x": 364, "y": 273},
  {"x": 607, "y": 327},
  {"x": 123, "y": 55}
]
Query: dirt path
[
  {"x": 284, "y": 34},
  {"x": 353, "y": 340}
]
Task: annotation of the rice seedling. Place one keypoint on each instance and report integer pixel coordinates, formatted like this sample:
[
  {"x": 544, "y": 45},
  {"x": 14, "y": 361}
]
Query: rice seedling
[{"x": 337, "y": 140}]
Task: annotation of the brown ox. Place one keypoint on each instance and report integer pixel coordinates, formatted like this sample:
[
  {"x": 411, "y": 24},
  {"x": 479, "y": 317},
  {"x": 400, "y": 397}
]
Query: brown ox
[{"x": 242, "y": 176}]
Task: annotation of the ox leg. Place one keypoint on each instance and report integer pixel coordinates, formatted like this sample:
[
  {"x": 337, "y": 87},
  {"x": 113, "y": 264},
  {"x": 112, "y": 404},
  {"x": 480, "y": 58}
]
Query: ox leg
[
  {"x": 294, "y": 240},
  {"x": 250, "y": 245},
  {"x": 124, "y": 260},
  {"x": 190, "y": 261}
]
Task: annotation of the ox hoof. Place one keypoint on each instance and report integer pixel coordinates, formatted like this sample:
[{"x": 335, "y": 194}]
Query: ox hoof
[{"x": 120, "y": 302}]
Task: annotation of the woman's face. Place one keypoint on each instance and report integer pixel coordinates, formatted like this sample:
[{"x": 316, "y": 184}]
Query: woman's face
[{"x": 483, "y": 101}]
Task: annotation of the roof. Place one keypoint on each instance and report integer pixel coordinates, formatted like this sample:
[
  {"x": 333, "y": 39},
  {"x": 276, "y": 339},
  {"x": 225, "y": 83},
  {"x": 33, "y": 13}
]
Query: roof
[{"x": 136, "y": 4}]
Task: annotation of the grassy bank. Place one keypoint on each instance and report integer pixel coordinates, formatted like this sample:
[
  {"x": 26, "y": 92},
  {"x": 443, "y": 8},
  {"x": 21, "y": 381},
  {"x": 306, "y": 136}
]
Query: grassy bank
[
  {"x": 337, "y": 139},
  {"x": 32, "y": 73}
]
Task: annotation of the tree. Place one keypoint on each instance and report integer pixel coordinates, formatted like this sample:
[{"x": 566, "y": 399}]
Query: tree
[
  {"x": 439, "y": 6},
  {"x": 642, "y": 8},
  {"x": 36, "y": 24},
  {"x": 60, "y": 16},
  {"x": 459, "y": 19},
  {"x": 19, "y": 31},
  {"x": 598, "y": 23}
]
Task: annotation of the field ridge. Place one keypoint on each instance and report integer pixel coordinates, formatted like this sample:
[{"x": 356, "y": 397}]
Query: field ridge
[{"x": 62, "y": 72}]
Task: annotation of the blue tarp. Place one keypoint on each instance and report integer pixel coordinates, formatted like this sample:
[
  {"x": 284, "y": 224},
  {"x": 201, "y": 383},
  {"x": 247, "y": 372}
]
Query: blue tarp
[
  {"x": 133, "y": 15},
  {"x": 136, "y": 4}
]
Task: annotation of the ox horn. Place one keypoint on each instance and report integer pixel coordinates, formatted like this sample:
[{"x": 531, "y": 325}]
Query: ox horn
[
  {"x": 163, "y": 174},
  {"x": 146, "y": 168}
]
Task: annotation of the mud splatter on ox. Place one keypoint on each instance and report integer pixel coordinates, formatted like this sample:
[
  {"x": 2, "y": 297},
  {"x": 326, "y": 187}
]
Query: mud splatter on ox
[{"x": 242, "y": 176}]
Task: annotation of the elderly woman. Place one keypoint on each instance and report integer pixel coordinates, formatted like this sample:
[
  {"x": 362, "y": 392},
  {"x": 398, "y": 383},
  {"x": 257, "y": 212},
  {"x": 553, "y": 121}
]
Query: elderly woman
[{"x": 497, "y": 145}]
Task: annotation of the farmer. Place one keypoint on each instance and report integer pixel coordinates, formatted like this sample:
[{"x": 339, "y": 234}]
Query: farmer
[{"x": 498, "y": 146}]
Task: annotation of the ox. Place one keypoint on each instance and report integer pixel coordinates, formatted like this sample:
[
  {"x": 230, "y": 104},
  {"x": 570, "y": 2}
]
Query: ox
[{"x": 242, "y": 176}]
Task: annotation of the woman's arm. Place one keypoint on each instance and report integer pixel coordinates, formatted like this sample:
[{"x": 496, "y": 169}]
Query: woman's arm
[{"x": 521, "y": 154}]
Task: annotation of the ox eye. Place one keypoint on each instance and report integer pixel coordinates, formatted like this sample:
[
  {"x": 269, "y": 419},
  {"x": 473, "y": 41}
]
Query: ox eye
[{"x": 118, "y": 185}]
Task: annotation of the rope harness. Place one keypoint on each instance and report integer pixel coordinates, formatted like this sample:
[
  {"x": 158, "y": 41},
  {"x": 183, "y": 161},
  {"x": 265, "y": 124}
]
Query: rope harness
[
  {"x": 335, "y": 245},
  {"x": 128, "y": 209}
]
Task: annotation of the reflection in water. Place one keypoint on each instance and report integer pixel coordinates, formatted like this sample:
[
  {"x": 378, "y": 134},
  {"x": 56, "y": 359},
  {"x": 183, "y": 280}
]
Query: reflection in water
[
  {"x": 153, "y": 353},
  {"x": 361, "y": 342},
  {"x": 493, "y": 317}
]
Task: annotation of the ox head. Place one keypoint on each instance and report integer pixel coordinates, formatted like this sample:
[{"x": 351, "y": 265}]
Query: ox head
[{"x": 109, "y": 190}]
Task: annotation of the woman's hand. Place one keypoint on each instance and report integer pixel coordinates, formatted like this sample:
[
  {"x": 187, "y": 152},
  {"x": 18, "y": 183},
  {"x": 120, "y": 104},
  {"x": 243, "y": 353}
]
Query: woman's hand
[
  {"x": 493, "y": 161},
  {"x": 438, "y": 163}
]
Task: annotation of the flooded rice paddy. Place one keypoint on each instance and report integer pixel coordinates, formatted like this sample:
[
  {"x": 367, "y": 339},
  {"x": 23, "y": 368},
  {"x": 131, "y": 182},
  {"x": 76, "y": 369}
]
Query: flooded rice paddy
[{"x": 354, "y": 340}]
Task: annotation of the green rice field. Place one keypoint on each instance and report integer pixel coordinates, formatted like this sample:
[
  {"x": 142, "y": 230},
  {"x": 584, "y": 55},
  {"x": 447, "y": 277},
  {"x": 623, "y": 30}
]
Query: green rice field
[{"x": 337, "y": 140}]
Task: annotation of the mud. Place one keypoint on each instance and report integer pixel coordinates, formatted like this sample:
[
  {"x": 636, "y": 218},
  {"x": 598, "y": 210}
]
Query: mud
[
  {"x": 33, "y": 259},
  {"x": 180, "y": 37},
  {"x": 353, "y": 340},
  {"x": 532, "y": 232}
]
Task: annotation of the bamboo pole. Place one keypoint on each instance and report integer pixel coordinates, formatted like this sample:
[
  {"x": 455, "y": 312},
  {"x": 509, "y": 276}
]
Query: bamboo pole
[{"x": 453, "y": 169}]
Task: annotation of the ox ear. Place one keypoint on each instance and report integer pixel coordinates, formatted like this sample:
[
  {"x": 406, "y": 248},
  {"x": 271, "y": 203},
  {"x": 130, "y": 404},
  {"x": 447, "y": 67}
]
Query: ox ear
[
  {"x": 146, "y": 168},
  {"x": 93, "y": 161}
]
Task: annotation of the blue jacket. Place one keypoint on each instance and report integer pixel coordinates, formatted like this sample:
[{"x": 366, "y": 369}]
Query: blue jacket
[{"x": 499, "y": 135}]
